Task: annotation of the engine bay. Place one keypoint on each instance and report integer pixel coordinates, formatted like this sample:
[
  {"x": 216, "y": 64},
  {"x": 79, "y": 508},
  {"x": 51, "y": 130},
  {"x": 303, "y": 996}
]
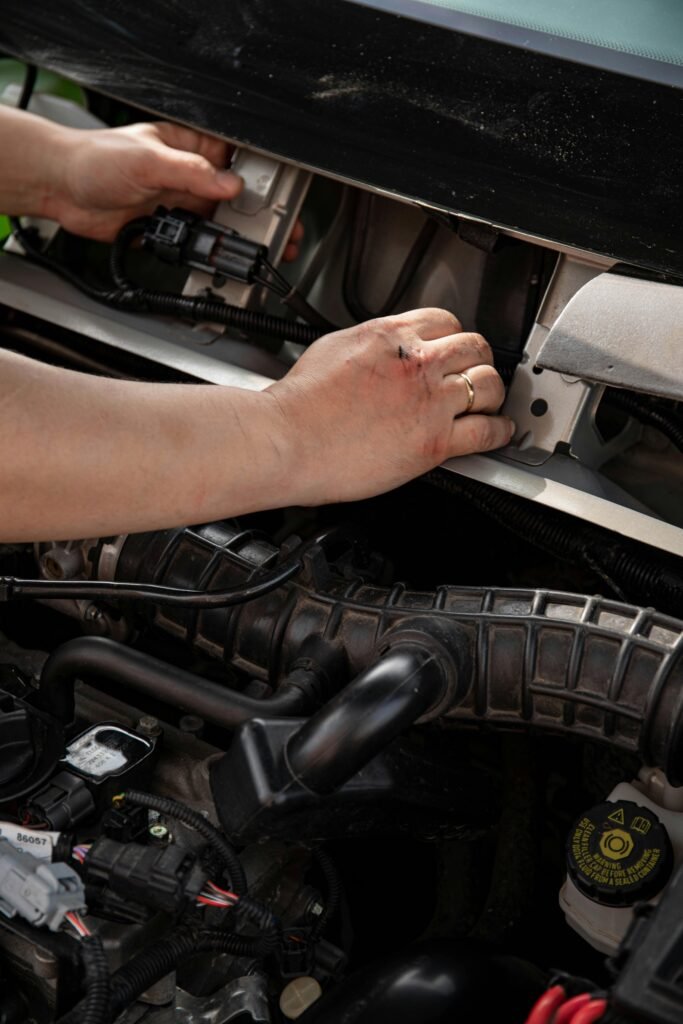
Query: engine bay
[{"x": 416, "y": 758}]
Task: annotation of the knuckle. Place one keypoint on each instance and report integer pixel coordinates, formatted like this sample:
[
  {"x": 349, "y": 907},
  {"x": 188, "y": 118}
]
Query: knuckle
[
  {"x": 492, "y": 381},
  {"x": 195, "y": 162},
  {"x": 374, "y": 338},
  {"x": 484, "y": 434},
  {"x": 441, "y": 320},
  {"x": 481, "y": 347},
  {"x": 448, "y": 320}
]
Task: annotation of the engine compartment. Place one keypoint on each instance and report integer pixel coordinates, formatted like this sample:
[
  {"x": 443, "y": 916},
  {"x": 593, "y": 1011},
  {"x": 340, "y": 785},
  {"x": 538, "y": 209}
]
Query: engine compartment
[{"x": 413, "y": 758}]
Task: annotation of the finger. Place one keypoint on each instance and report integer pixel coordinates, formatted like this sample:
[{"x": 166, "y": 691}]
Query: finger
[
  {"x": 297, "y": 232},
  {"x": 204, "y": 207},
  {"x": 180, "y": 171},
  {"x": 487, "y": 386},
  {"x": 478, "y": 433},
  {"x": 428, "y": 324},
  {"x": 461, "y": 351},
  {"x": 177, "y": 136},
  {"x": 291, "y": 252}
]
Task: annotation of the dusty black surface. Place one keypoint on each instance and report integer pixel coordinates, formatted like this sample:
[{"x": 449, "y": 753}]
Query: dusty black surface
[{"x": 565, "y": 151}]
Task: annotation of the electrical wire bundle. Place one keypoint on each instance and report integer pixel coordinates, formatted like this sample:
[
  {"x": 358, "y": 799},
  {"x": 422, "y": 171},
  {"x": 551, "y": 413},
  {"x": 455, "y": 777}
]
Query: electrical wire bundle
[
  {"x": 78, "y": 924},
  {"x": 557, "y": 1006},
  {"x": 214, "y": 896},
  {"x": 127, "y": 296},
  {"x": 276, "y": 283}
]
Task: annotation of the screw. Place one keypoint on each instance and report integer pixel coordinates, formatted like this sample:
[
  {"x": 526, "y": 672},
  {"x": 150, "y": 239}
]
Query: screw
[
  {"x": 93, "y": 614},
  {"x": 148, "y": 725},
  {"x": 316, "y": 909},
  {"x": 159, "y": 834}
]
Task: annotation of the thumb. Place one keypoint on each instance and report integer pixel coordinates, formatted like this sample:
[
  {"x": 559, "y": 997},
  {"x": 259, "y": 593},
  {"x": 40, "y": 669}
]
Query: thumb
[{"x": 180, "y": 171}]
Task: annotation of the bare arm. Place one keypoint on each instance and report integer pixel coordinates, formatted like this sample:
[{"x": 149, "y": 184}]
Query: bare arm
[
  {"x": 93, "y": 181},
  {"x": 364, "y": 410}
]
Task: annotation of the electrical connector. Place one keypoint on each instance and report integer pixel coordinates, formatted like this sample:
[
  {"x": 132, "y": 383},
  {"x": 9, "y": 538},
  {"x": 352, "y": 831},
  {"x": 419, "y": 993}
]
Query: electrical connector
[
  {"x": 97, "y": 764},
  {"x": 64, "y": 802},
  {"x": 161, "y": 877},
  {"x": 125, "y": 824},
  {"x": 40, "y": 892},
  {"x": 184, "y": 239}
]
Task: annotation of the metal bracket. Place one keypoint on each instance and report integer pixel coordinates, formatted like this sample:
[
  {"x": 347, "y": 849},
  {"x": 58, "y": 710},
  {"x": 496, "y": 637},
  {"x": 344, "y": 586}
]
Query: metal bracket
[
  {"x": 265, "y": 211},
  {"x": 555, "y": 411},
  {"x": 621, "y": 331}
]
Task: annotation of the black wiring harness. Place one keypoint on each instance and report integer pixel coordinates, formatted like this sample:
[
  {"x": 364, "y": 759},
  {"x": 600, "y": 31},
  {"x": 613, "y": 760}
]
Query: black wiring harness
[
  {"x": 198, "y": 308},
  {"x": 184, "y": 238},
  {"x": 106, "y": 996}
]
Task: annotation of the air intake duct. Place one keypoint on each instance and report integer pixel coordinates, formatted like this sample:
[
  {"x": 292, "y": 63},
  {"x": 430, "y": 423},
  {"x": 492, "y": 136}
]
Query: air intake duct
[{"x": 562, "y": 663}]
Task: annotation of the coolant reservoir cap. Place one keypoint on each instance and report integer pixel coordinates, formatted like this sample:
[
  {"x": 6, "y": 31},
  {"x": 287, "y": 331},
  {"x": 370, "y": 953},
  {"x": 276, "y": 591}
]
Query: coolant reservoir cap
[{"x": 619, "y": 853}]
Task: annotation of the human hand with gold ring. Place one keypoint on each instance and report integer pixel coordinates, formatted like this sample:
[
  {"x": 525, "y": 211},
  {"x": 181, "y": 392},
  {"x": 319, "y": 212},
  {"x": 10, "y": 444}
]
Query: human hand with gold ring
[{"x": 373, "y": 406}]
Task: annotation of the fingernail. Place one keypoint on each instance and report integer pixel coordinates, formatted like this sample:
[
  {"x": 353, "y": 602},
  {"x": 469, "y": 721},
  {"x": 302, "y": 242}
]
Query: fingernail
[{"x": 513, "y": 428}]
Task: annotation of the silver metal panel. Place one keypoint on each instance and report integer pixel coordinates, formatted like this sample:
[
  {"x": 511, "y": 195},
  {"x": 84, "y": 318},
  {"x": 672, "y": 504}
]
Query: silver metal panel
[
  {"x": 593, "y": 508},
  {"x": 38, "y": 292},
  {"x": 623, "y": 332}
]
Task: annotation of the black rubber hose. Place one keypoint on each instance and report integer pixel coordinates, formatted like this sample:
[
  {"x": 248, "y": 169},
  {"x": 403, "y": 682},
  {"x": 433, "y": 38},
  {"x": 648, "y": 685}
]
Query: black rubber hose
[
  {"x": 12, "y": 588},
  {"x": 365, "y": 717},
  {"x": 30, "y": 243},
  {"x": 647, "y": 412},
  {"x": 181, "y": 812},
  {"x": 28, "y": 87},
  {"x": 333, "y": 894},
  {"x": 119, "y": 249},
  {"x": 519, "y": 658},
  {"x": 101, "y": 658},
  {"x": 435, "y": 982},
  {"x": 96, "y": 971}
]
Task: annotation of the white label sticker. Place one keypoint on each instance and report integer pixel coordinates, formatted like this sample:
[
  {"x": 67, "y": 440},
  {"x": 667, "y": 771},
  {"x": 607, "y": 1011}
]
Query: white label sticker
[
  {"x": 39, "y": 844},
  {"x": 99, "y": 752}
]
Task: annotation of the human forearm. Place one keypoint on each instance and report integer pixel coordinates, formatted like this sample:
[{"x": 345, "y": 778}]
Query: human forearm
[
  {"x": 88, "y": 456},
  {"x": 94, "y": 181},
  {"x": 362, "y": 411},
  {"x": 33, "y": 153}
]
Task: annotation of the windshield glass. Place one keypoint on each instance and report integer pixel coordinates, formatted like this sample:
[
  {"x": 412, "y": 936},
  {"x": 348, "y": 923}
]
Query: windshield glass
[{"x": 638, "y": 37}]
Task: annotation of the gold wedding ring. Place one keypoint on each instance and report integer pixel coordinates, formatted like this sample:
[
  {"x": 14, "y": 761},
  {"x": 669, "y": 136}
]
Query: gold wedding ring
[{"x": 470, "y": 392}]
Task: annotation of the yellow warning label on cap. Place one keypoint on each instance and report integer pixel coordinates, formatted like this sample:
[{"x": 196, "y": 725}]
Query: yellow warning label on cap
[
  {"x": 615, "y": 844},
  {"x": 617, "y": 816},
  {"x": 610, "y": 857}
]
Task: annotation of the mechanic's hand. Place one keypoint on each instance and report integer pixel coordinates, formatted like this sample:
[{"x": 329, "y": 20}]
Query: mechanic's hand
[
  {"x": 373, "y": 406},
  {"x": 108, "y": 176}
]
